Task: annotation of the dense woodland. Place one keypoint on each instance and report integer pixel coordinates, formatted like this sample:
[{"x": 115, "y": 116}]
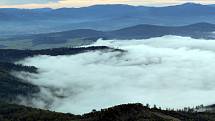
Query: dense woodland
[
  {"x": 11, "y": 86},
  {"x": 128, "y": 112},
  {"x": 17, "y": 67},
  {"x": 12, "y": 55}
]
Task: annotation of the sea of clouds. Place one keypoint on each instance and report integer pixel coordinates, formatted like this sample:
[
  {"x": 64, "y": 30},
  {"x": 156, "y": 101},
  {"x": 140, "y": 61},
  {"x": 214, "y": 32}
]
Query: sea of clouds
[{"x": 169, "y": 71}]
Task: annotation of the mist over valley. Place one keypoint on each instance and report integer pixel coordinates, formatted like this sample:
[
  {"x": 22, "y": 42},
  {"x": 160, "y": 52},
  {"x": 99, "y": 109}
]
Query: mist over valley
[
  {"x": 157, "y": 71},
  {"x": 108, "y": 62}
]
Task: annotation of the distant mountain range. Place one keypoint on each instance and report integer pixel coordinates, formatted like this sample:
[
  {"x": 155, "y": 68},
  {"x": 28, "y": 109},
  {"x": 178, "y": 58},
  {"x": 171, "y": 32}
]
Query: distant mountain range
[
  {"x": 87, "y": 36},
  {"x": 101, "y": 17}
]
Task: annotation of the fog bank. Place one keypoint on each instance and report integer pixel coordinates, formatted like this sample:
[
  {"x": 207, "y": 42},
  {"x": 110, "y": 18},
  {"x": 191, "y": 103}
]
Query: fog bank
[{"x": 169, "y": 71}]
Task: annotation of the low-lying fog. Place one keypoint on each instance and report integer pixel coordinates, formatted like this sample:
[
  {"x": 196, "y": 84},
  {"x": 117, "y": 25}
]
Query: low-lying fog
[{"x": 169, "y": 71}]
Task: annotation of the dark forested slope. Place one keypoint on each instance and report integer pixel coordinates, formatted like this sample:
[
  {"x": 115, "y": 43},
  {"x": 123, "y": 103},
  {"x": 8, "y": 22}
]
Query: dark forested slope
[
  {"x": 128, "y": 112},
  {"x": 11, "y": 86},
  {"x": 12, "y": 55}
]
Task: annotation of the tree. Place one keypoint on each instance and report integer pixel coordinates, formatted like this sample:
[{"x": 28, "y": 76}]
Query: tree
[{"x": 147, "y": 105}]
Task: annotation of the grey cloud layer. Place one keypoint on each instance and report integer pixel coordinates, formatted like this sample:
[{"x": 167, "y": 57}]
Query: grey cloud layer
[{"x": 168, "y": 71}]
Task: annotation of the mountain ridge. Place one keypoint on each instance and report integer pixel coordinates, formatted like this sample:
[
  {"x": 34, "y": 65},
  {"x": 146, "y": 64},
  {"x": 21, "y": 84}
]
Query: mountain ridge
[
  {"x": 98, "y": 5},
  {"x": 88, "y": 36},
  {"x": 100, "y": 17}
]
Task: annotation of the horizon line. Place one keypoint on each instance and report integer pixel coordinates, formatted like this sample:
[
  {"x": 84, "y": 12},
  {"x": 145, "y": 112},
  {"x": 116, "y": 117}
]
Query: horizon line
[{"x": 109, "y": 4}]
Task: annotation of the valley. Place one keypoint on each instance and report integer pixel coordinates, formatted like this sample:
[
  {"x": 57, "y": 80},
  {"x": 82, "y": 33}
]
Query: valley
[{"x": 62, "y": 60}]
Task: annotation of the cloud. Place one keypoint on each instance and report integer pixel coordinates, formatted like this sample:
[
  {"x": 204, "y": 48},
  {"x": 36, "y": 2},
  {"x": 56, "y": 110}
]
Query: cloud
[{"x": 168, "y": 71}]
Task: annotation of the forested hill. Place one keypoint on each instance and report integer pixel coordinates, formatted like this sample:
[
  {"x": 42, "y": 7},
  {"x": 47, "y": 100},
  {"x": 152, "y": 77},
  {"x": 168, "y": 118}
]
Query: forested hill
[
  {"x": 12, "y": 55},
  {"x": 88, "y": 36},
  {"x": 11, "y": 86},
  {"x": 142, "y": 31},
  {"x": 128, "y": 112}
]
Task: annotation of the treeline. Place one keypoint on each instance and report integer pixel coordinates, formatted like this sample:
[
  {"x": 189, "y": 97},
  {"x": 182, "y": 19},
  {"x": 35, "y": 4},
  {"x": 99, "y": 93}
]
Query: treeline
[
  {"x": 10, "y": 112},
  {"x": 127, "y": 112},
  {"x": 139, "y": 112},
  {"x": 17, "y": 67},
  {"x": 10, "y": 55}
]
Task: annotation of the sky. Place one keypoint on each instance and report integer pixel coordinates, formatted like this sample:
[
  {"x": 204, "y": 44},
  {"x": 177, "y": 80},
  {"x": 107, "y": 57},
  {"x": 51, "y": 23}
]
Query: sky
[{"x": 82, "y": 3}]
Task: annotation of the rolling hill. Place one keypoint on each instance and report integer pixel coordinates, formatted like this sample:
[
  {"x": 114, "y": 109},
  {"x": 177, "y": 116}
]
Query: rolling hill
[
  {"x": 87, "y": 36},
  {"x": 126, "y": 112},
  {"x": 101, "y": 17}
]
